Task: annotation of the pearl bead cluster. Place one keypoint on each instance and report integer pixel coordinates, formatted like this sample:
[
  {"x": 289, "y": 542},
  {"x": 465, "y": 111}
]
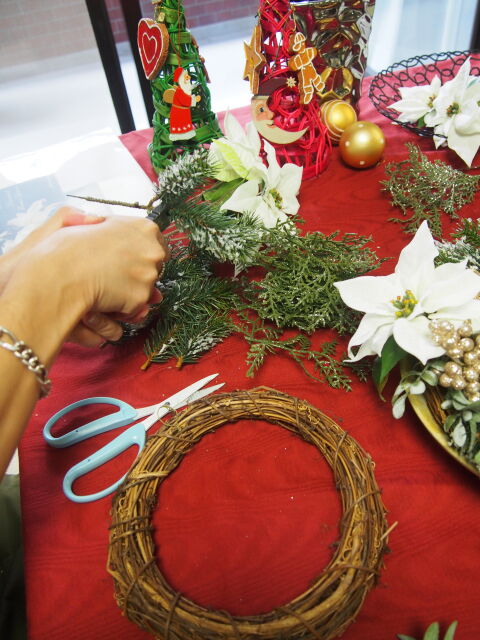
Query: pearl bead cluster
[{"x": 462, "y": 371}]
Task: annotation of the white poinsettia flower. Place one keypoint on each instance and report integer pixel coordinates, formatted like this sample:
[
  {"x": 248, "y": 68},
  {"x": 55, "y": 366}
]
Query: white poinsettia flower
[
  {"x": 417, "y": 101},
  {"x": 456, "y": 119},
  {"x": 237, "y": 155},
  {"x": 270, "y": 199},
  {"x": 403, "y": 304}
]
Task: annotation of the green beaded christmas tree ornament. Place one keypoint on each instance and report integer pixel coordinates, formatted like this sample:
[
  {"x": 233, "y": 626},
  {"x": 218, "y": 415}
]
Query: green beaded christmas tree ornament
[{"x": 183, "y": 119}]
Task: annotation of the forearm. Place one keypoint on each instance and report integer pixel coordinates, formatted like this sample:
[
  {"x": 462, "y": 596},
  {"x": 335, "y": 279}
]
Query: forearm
[{"x": 42, "y": 322}]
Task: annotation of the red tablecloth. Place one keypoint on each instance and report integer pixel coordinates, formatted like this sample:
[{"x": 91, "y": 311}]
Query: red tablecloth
[{"x": 249, "y": 517}]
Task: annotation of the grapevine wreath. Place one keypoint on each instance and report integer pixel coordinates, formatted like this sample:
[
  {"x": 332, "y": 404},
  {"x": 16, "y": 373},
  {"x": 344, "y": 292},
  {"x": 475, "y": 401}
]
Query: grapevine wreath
[{"x": 333, "y": 600}]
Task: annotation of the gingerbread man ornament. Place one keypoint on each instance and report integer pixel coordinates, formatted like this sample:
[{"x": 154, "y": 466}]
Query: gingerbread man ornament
[{"x": 308, "y": 79}]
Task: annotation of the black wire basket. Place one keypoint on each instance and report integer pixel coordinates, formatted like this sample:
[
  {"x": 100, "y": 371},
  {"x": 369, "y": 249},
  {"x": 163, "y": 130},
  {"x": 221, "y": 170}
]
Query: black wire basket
[{"x": 417, "y": 71}]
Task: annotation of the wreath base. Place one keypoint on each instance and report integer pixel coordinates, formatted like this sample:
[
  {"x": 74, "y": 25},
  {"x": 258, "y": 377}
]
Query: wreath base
[{"x": 333, "y": 600}]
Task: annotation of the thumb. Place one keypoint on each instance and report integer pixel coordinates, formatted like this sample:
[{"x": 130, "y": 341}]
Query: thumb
[
  {"x": 103, "y": 325},
  {"x": 74, "y": 217}
]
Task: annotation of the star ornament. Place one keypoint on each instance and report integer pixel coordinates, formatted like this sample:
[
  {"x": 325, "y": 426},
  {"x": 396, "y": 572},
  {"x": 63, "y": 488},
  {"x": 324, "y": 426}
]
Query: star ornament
[{"x": 254, "y": 58}]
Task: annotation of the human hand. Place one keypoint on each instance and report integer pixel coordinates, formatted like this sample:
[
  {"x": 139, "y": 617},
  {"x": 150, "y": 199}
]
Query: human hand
[
  {"x": 108, "y": 269},
  {"x": 97, "y": 327},
  {"x": 63, "y": 217}
]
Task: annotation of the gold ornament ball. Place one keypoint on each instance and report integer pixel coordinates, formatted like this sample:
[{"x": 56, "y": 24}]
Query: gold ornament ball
[
  {"x": 337, "y": 115},
  {"x": 362, "y": 144}
]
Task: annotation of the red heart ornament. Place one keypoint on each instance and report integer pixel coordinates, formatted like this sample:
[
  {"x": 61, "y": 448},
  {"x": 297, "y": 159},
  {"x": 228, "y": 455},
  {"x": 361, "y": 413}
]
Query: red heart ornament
[{"x": 152, "y": 40}]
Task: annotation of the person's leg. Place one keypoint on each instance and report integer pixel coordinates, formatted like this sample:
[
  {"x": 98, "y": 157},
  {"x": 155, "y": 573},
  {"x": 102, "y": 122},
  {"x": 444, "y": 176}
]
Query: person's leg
[{"x": 12, "y": 590}]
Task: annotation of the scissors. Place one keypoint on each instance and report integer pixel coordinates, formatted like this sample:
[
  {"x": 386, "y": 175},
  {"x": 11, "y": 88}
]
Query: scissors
[{"x": 134, "y": 435}]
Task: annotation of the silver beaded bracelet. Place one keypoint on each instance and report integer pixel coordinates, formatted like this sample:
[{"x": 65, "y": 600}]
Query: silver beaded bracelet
[{"x": 29, "y": 359}]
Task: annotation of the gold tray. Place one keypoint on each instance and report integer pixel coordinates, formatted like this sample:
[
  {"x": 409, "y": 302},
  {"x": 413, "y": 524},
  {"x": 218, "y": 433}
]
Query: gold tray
[{"x": 428, "y": 409}]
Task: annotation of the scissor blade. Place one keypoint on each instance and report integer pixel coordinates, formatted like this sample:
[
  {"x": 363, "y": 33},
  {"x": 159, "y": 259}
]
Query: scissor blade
[
  {"x": 199, "y": 394},
  {"x": 180, "y": 402},
  {"x": 181, "y": 397},
  {"x": 162, "y": 410}
]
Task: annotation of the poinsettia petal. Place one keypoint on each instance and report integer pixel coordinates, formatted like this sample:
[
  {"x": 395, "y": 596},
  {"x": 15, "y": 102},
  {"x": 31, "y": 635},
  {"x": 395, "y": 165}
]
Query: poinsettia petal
[
  {"x": 452, "y": 284},
  {"x": 290, "y": 178},
  {"x": 467, "y": 311},
  {"x": 378, "y": 333},
  {"x": 244, "y": 199},
  {"x": 233, "y": 129},
  {"x": 267, "y": 216},
  {"x": 289, "y": 186},
  {"x": 465, "y": 146},
  {"x": 370, "y": 294},
  {"x": 415, "y": 263},
  {"x": 223, "y": 169},
  {"x": 414, "y": 337},
  {"x": 253, "y": 138},
  {"x": 367, "y": 327},
  {"x": 467, "y": 122}
]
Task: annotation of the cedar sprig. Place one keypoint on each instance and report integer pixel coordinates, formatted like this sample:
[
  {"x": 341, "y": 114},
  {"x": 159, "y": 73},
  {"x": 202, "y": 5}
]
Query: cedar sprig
[
  {"x": 321, "y": 365},
  {"x": 298, "y": 289},
  {"x": 425, "y": 189}
]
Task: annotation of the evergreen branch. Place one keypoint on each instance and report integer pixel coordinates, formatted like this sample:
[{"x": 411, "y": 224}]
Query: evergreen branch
[
  {"x": 179, "y": 180},
  {"x": 194, "y": 314},
  {"x": 424, "y": 189},
  {"x": 228, "y": 238},
  {"x": 264, "y": 340},
  {"x": 466, "y": 247},
  {"x": 298, "y": 289},
  {"x": 119, "y": 203}
]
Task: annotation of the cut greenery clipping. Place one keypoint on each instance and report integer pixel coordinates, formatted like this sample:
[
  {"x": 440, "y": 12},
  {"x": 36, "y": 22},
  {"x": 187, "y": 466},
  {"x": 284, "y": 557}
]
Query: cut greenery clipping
[
  {"x": 433, "y": 633},
  {"x": 425, "y": 189},
  {"x": 287, "y": 293},
  {"x": 292, "y": 288}
]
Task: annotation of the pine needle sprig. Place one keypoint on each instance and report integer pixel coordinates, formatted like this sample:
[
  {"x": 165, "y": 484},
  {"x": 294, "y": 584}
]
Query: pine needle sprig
[
  {"x": 264, "y": 340},
  {"x": 425, "y": 189},
  {"x": 226, "y": 237},
  {"x": 183, "y": 177},
  {"x": 298, "y": 288},
  {"x": 466, "y": 247},
  {"x": 194, "y": 314}
]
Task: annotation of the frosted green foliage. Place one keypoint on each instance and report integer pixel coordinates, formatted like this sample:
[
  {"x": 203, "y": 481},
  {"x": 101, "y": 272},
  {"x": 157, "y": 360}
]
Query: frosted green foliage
[{"x": 465, "y": 247}]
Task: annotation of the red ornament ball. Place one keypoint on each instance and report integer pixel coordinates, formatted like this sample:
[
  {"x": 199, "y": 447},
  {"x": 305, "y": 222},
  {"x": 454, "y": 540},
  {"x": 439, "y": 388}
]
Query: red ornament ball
[{"x": 362, "y": 144}]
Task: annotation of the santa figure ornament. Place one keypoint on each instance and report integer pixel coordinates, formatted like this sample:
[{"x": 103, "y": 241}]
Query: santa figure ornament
[
  {"x": 183, "y": 119},
  {"x": 285, "y": 86},
  {"x": 182, "y": 99}
]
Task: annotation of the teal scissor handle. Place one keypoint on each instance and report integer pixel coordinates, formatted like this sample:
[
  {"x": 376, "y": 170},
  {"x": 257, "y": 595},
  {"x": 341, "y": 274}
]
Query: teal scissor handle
[
  {"x": 125, "y": 414},
  {"x": 135, "y": 435}
]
